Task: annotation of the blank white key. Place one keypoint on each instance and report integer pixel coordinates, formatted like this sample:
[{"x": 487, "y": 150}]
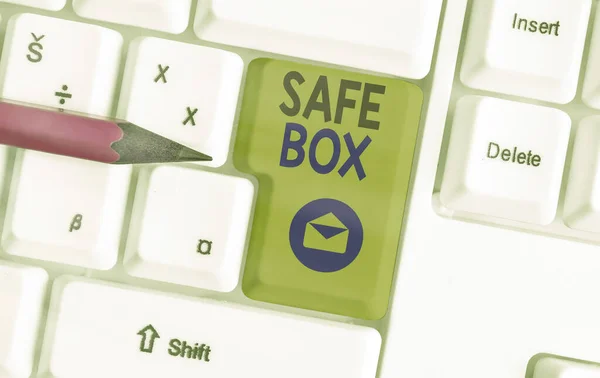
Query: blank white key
[
  {"x": 552, "y": 367},
  {"x": 98, "y": 330},
  {"x": 22, "y": 292},
  {"x": 189, "y": 227},
  {"x": 185, "y": 92},
  {"x": 591, "y": 83},
  {"x": 170, "y": 16},
  {"x": 60, "y": 63},
  {"x": 524, "y": 48},
  {"x": 505, "y": 159},
  {"x": 7, "y": 155},
  {"x": 582, "y": 201},
  {"x": 54, "y": 5},
  {"x": 66, "y": 210},
  {"x": 395, "y": 37}
]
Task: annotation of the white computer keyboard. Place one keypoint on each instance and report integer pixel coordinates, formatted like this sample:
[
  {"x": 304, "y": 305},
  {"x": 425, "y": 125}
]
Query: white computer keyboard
[{"x": 466, "y": 132}]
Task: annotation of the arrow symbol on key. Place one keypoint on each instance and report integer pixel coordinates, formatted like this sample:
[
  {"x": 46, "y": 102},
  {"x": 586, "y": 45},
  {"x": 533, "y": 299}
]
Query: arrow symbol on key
[{"x": 149, "y": 335}]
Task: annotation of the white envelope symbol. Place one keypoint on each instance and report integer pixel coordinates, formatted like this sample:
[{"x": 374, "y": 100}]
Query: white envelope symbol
[{"x": 326, "y": 233}]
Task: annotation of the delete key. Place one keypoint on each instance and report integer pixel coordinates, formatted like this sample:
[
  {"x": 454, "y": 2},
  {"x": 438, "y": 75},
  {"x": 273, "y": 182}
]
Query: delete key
[
  {"x": 332, "y": 152},
  {"x": 505, "y": 160}
]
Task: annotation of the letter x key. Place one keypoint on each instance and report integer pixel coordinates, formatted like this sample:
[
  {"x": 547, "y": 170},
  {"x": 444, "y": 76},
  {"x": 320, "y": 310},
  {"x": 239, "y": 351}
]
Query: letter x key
[
  {"x": 162, "y": 71},
  {"x": 190, "y": 116}
]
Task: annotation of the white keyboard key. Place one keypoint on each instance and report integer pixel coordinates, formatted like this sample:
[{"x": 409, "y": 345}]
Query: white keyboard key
[
  {"x": 395, "y": 37},
  {"x": 22, "y": 292},
  {"x": 60, "y": 63},
  {"x": 7, "y": 155},
  {"x": 66, "y": 210},
  {"x": 170, "y": 16},
  {"x": 552, "y": 367},
  {"x": 591, "y": 84},
  {"x": 505, "y": 159},
  {"x": 524, "y": 48},
  {"x": 185, "y": 92},
  {"x": 200, "y": 218},
  {"x": 582, "y": 201},
  {"x": 53, "y": 5},
  {"x": 98, "y": 330}
]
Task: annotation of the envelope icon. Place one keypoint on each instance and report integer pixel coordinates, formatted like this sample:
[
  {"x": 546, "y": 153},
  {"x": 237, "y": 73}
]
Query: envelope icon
[{"x": 326, "y": 233}]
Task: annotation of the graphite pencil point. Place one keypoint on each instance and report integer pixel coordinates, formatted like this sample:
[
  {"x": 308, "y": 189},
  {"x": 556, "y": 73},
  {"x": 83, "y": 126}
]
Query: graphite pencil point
[
  {"x": 187, "y": 154},
  {"x": 139, "y": 146}
]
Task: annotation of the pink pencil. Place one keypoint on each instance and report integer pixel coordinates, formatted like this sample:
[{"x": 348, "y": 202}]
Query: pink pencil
[{"x": 85, "y": 137}]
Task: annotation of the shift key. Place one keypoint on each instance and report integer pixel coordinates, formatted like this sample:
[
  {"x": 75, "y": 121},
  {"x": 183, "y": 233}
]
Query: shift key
[
  {"x": 332, "y": 152},
  {"x": 99, "y": 330}
]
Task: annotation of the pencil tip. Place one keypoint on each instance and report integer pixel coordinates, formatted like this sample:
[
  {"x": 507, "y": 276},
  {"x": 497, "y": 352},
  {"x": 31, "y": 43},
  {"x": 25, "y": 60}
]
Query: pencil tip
[
  {"x": 140, "y": 146},
  {"x": 187, "y": 154}
]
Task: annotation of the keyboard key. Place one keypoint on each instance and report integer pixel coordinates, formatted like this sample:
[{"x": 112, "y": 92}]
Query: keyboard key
[
  {"x": 22, "y": 292},
  {"x": 168, "y": 336},
  {"x": 208, "y": 215},
  {"x": 520, "y": 48},
  {"x": 582, "y": 206},
  {"x": 553, "y": 367},
  {"x": 60, "y": 63},
  {"x": 53, "y": 5},
  {"x": 7, "y": 155},
  {"x": 395, "y": 37},
  {"x": 332, "y": 151},
  {"x": 591, "y": 84},
  {"x": 169, "y": 16},
  {"x": 193, "y": 104},
  {"x": 66, "y": 210},
  {"x": 505, "y": 159}
]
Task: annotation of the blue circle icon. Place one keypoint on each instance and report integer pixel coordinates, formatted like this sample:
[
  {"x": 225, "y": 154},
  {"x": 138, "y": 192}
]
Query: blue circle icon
[{"x": 326, "y": 235}]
